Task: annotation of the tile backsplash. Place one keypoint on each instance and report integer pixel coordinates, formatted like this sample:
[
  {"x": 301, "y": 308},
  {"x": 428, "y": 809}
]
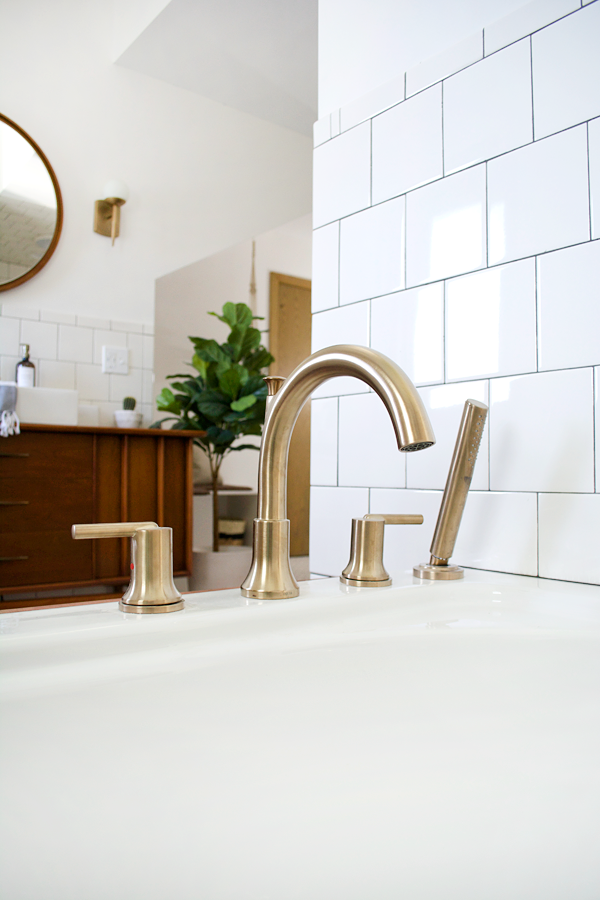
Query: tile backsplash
[
  {"x": 67, "y": 352},
  {"x": 457, "y": 230}
]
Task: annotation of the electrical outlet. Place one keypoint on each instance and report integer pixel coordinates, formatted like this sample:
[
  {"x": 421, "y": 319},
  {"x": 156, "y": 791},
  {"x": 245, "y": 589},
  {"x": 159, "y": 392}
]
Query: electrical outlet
[{"x": 115, "y": 360}]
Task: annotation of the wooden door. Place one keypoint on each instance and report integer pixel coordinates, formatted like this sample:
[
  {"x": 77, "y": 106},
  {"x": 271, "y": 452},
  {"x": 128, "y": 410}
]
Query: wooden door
[{"x": 289, "y": 342}]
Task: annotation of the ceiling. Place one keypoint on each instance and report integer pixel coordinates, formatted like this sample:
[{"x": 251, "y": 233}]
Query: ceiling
[{"x": 256, "y": 56}]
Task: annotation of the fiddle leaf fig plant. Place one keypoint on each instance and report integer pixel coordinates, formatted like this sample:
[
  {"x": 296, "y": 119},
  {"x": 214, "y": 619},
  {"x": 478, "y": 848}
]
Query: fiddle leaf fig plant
[{"x": 225, "y": 396}]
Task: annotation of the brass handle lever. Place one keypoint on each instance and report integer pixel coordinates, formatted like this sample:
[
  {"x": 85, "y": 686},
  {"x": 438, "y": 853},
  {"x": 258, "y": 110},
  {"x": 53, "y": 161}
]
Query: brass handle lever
[
  {"x": 151, "y": 589},
  {"x": 366, "y": 568}
]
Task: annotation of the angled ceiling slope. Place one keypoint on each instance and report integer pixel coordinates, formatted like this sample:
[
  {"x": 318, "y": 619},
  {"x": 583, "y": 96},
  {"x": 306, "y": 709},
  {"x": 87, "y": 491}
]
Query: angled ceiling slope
[{"x": 257, "y": 56}]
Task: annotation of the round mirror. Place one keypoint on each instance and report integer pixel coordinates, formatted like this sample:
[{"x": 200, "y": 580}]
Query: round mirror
[{"x": 31, "y": 208}]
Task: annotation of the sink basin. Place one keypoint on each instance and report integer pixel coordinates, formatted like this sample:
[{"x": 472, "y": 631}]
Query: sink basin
[{"x": 424, "y": 741}]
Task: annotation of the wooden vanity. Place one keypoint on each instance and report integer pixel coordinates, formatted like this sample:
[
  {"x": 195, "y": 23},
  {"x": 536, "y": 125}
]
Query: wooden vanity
[{"x": 52, "y": 477}]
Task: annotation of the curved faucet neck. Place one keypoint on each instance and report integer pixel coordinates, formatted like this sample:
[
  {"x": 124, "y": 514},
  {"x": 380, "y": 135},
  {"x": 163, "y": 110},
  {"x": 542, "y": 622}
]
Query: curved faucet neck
[{"x": 399, "y": 395}]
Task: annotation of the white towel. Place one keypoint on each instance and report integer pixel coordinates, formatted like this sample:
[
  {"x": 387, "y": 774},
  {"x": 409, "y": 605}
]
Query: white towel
[{"x": 9, "y": 420}]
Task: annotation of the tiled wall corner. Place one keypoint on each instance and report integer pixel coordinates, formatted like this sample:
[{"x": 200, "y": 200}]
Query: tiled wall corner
[
  {"x": 458, "y": 233},
  {"x": 67, "y": 352}
]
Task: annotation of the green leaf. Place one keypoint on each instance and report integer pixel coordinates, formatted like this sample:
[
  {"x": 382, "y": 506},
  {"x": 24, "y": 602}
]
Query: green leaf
[
  {"x": 200, "y": 364},
  {"x": 243, "y": 403},
  {"x": 258, "y": 360},
  {"x": 250, "y": 341},
  {"x": 230, "y": 382},
  {"x": 254, "y": 384},
  {"x": 166, "y": 402}
]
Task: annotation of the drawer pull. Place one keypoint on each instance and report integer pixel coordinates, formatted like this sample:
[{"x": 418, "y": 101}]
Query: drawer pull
[
  {"x": 15, "y": 455},
  {"x": 12, "y": 558},
  {"x": 14, "y": 502}
]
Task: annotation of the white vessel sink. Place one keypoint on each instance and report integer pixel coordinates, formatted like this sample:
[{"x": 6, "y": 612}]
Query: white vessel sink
[
  {"x": 420, "y": 742},
  {"x": 47, "y": 406}
]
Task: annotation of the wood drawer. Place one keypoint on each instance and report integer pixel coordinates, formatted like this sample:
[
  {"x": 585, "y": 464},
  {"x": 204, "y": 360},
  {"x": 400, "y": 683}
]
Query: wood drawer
[
  {"x": 42, "y": 504},
  {"x": 43, "y": 557}
]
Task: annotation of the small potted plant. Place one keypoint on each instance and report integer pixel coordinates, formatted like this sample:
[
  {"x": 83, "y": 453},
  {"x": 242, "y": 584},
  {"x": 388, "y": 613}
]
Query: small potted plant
[
  {"x": 128, "y": 417},
  {"x": 226, "y": 398}
]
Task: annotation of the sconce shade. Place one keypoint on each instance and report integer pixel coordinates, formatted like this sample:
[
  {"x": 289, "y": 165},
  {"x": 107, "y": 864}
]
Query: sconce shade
[{"x": 115, "y": 188}]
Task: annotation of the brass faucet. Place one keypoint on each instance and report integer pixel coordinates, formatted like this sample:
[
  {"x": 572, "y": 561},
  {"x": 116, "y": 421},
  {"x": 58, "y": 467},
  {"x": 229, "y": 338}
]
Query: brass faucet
[
  {"x": 270, "y": 576},
  {"x": 151, "y": 589}
]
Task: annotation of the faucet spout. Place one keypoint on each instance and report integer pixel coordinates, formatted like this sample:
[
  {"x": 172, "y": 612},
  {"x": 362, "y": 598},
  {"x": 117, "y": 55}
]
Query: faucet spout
[{"x": 270, "y": 576}]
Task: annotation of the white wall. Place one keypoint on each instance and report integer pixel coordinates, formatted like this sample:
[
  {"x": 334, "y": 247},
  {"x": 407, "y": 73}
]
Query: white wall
[
  {"x": 184, "y": 297},
  {"x": 365, "y": 44},
  {"x": 466, "y": 238},
  {"x": 201, "y": 176}
]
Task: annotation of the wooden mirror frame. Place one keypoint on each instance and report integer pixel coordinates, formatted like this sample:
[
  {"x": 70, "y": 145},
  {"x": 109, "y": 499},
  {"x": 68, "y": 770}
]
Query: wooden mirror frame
[{"x": 59, "y": 209}]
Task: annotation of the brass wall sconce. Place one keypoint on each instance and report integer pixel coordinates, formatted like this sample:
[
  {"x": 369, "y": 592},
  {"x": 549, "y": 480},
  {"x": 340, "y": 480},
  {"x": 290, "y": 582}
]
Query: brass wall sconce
[{"x": 107, "y": 212}]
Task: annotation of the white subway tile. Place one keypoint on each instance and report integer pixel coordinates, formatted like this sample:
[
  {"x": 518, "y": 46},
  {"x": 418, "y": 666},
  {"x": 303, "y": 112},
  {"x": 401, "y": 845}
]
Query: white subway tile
[
  {"x": 147, "y": 387},
  {"x": 566, "y": 72},
  {"x": 542, "y": 432},
  {"x": 18, "y": 311},
  {"x": 106, "y": 339},
  {"x": 538, "y": 197},
  {"x": 321, "y": 131},
  {"x": 405, "y": 546},
  {"x": 570, "y": 537},
  {"x": 498, "y": 532},
  {"x": 41, "y": 337},
  {"x": 126, "y": 386},
  {"x": 594, "y": 151},
  {"x": 58, "y": 317},
  {"x": 446, "y": 227},
  {"x": 149, "y": 414},
  {"x": 54, "y": 374},
  {"x": 374, "y": 102},
  {"x": 368, "y": 451},
  {"x": 135, "y": 343},
  {"x": 524, "y": 21},
  {"x": 452, "y": 60},
  {"x": 407, "y": 145},
  {"x": 7, "y": 367},
  {"x": 135, "y": 327},
  {"x": 325, "y": 267},
  {"x": 343, "y": 325},
  {"x": 372, "y": 252},
  {"x": 148, "y": 329},
  {"x": 324, "y": 441},
  {"x": 10, "y": 331},
  {"x": 90, "y": 322},
  {"x": 445, "y": 403},
  {"x": 148, "y": 351},
  {"x": 597, "y": 424},
  {"x": 107, "y": 411},
  {"x": 75, "y": 344},
  {"x": 491, "y": 322},
  {"x": 88, "y": 415},
  {"x": 91, "y": 383},
  {"x": 409, "y": 328},
  {"x": 569, "y": 307},
  {"x": 331, "y": 512},
  {"x": 487, "y": 108},
  {"x": 342, "y": 175}
]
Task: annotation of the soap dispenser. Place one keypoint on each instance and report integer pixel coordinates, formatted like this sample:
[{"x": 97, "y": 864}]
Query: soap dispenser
[{"x": 25, "y": 369}]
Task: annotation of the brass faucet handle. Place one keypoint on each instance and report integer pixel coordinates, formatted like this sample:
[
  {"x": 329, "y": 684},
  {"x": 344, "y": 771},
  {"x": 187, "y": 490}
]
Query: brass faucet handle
[
  {"x": 365, "y": 568},
  {"x": 392, "y": 519},
  {"x": 151, "y": 589},
  {"x": 109, "y": 529}
]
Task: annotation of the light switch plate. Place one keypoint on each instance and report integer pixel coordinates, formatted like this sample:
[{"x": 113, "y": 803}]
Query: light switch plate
[{"x": 115, "y": 360}]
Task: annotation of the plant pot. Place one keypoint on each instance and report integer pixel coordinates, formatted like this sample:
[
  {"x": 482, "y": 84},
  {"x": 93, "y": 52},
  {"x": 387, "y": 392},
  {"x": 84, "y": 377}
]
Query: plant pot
[
  {"x": 225, "y": 569},
  {"x": 128, "y": 418},
  {"x": 231, "y": 532}
]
